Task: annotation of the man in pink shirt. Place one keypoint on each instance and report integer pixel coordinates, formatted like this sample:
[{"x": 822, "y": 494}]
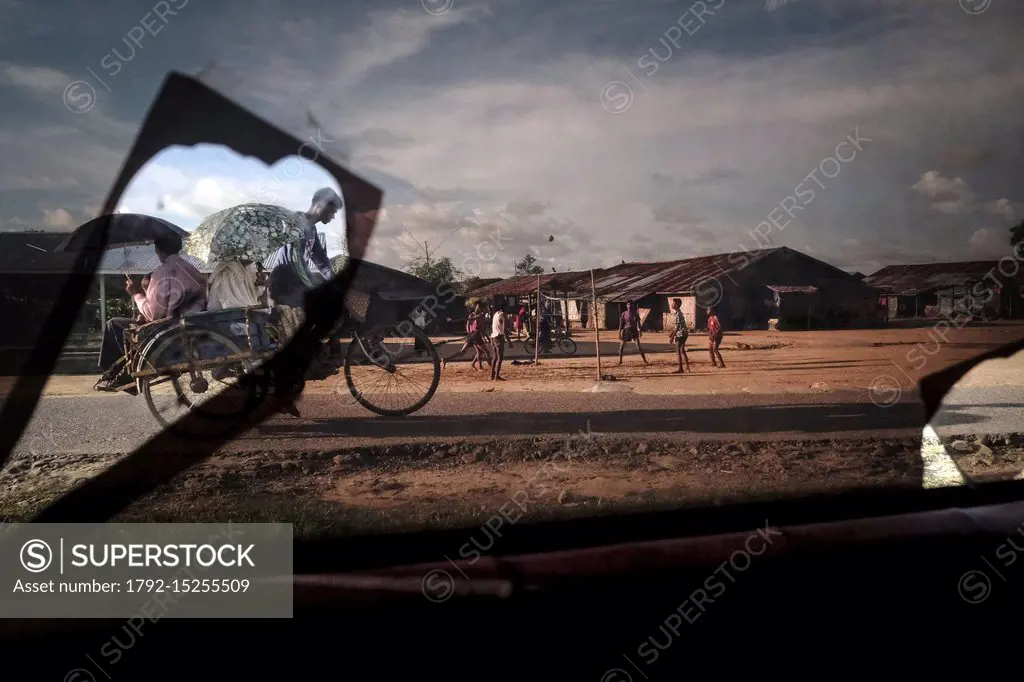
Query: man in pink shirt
[{"x": 175, "y": 288}]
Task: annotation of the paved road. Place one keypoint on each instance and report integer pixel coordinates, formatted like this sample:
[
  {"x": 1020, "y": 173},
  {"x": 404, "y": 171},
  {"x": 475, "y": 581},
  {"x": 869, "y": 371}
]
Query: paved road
[{"x": 100, "y": 424}]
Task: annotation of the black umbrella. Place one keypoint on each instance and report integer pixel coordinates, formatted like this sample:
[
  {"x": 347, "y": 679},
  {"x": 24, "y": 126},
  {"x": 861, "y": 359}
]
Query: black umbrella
[{"x": 125, "y": 229}]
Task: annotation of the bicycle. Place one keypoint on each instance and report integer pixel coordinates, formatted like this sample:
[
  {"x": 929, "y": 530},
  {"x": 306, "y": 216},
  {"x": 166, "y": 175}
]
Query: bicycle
[
  {"x": 210, "y": 354},
  {"x": 560, "y": 338}
]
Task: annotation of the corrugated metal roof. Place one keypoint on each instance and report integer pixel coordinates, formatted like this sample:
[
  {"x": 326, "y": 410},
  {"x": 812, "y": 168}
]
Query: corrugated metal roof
[
  {"x": 139, "y": 260},
  {"x": 525, "y": 284},
  {"x": 907, "y": 280},
  {"x": 789, "y": 289},
  {"x": 632, "y": 281}
]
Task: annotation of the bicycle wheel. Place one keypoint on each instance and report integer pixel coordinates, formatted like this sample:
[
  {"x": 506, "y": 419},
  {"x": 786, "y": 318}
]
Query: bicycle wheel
[
  {"x": 222, "y": 394},
  {"x": 392, "y": 373},
  {"x": 528, "y": 345},
  {"x": 567, "y": 346}
]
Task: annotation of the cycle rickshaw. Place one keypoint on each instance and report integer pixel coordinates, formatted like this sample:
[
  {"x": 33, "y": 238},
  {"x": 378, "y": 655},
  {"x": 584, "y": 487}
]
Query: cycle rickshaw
[{"x": 389, "y": 365}]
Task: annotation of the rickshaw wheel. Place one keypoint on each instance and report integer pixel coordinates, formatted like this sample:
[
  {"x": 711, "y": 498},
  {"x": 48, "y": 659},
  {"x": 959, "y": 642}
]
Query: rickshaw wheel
[
  {"x": 237, "y": 389},
  {"x": 397, "y": 372}
]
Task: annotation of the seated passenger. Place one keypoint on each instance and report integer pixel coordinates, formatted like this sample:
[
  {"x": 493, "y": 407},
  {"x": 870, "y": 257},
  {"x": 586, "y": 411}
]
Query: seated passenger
[
  {"x": 232, "y": 285},
  {"x": 139, "y": 319},
  {"x": 175, "y": 288}
]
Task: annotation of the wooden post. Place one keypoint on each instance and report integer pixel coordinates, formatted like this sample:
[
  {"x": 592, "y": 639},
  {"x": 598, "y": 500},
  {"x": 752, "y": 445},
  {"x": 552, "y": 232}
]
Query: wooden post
[
  {"x": 597, "y": 329},
  {"x": 536, "y": 342}
]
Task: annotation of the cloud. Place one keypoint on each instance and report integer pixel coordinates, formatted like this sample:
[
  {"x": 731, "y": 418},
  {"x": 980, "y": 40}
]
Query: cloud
[
  {"x": 381, "y": 138},
  {"x": 933, "y": 185},
  {"x": 989, "y": 242},
  {"x": 491, "y": 113},
  {"x": 710, "y": 177},
  {"x": 868, "y": 254},
  {"x": 1001, "y": 207},
  {"x": 58, "y": 217},
  {"x": 952, "y": 207},
  {"x": 956, "y": 197},
  {"x": 675, "y": 215},
  {"x": 39, "y": 79},
  {"x": 481, "y": 243}
]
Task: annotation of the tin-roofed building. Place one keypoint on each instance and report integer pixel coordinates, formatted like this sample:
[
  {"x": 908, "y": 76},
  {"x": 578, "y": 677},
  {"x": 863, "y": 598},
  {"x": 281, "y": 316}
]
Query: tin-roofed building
[
  {"x": 777, "y": 286},
  {"x": 928, "y": 290}
]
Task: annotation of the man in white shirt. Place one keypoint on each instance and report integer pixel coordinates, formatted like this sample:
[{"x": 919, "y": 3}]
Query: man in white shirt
[{"x": 498, "y": 334}]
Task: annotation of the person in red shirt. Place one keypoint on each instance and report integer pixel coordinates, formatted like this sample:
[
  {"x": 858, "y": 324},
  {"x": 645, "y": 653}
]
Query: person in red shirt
[
  {"x": 714, "y": 338},
  {"x": 474, "y": 338}
]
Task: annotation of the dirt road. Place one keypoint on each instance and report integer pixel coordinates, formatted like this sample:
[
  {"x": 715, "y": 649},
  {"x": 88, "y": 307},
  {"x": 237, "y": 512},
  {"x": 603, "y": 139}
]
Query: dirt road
[
  {"x": 769, "y": 363},
  {"x": 776, "y": 421}
]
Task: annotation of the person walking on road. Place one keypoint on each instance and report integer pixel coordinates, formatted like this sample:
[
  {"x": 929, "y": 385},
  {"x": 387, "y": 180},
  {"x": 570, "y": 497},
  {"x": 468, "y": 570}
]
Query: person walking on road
[
  {"x": 715, "y": 338},
  {"x": 629, "y": 330},
  {"x": 498, "y": 334},
  {"x": 679, "y": 335}
]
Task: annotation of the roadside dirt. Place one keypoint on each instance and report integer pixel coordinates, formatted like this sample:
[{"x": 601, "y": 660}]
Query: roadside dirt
[{"x": 380, "y": 489}]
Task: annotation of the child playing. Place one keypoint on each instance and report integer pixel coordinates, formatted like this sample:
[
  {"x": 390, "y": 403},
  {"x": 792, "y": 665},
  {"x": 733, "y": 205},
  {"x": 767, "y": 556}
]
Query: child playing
[
  {"x": 679, "y": 335},
  {"x": 473, "y": 338},
  {"x": 715, "y": 338}
]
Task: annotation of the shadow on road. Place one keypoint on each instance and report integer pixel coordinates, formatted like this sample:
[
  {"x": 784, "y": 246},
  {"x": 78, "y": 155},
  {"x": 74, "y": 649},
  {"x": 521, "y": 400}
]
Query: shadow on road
[{"x": 820, "y": 420}]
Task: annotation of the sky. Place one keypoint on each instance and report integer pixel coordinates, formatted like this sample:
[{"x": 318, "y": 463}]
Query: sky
[{"x": 584, "y": 132}]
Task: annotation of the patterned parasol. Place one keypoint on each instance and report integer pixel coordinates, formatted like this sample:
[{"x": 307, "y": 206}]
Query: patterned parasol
[{"x": 245, "y": 232}]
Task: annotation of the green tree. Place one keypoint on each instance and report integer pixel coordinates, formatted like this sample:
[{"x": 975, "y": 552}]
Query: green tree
[
  {"x": 434, "y": 270},
  {"x": 1017, "y": 234},
  {"x": 528, "y": 266}
]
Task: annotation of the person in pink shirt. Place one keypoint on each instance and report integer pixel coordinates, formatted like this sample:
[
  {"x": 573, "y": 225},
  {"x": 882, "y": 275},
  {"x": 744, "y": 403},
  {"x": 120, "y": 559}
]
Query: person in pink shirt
[
  {"x": 715, "y": 338},
  {"x": 474, "y": 338},
  {"x": 175, "y": 288}
]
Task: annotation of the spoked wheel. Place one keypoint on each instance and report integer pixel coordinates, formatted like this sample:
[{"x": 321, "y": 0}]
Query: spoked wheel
[
  {"x": 222, "y": 395},
  {"x": 387, "y": 374},
  {"x": 567, "y": 346},
  {"x": 530, "y": 343}
]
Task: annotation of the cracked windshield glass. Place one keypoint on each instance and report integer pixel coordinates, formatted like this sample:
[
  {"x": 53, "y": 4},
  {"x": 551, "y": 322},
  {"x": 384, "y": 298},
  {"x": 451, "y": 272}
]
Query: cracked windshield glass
[{"x": 629, "y": 254}]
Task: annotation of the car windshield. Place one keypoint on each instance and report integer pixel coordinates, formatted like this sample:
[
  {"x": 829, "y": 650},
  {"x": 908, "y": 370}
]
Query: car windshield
[{"x": 629, "y": 254}]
